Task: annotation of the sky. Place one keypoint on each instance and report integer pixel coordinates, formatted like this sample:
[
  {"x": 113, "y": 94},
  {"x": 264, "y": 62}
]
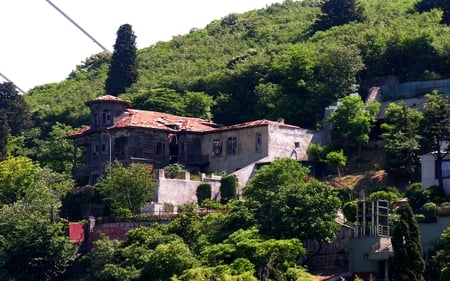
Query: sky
[{"x": 39, "y": 45}]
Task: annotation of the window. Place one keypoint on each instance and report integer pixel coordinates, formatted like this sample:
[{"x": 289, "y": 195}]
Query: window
[
  {"x": 95, "y": 118},
  {"x": 258, "y": 143},
  {"x": 445, "y": 165},
  {"x": 231, "y": 145},
  {"x": 217, "y": 147},
  {"x": 160, "y": 148},
  {"x": 95, "y": 147},
  {"x": 106, "y": 117}
]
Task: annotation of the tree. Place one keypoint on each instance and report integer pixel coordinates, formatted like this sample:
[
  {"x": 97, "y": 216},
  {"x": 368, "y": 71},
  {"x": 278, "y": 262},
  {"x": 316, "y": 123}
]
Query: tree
[
  {"x": 338, "y": 12},
  {"x": 290, "y": 205},
  {"x": 123, "y": 70},
  {"x": 402, "y": 140},
  {"x": 337, "y": 159},
  {"x": 15, "y": 108},
  {"x": 126, "y": 189},
  {"x": 32, "y": 247},
  {"x": 407, "y": 263},
  {"x": 435, "y": 128},
  {"x": 352, "y": 121},
  {"x": 17, "y": 178},
  {"x": 56, "y": 151}
]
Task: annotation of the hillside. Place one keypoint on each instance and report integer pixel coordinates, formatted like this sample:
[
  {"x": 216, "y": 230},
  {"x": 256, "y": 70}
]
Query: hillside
[{"x": 265, "y": 64}]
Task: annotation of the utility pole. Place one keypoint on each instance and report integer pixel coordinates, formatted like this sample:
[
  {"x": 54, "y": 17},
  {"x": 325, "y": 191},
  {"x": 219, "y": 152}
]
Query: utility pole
[{"x": 79, "y": 27}]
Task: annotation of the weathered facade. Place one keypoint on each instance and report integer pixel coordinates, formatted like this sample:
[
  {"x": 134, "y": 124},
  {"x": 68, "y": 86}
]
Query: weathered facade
[{"x": 117, "y": 132}]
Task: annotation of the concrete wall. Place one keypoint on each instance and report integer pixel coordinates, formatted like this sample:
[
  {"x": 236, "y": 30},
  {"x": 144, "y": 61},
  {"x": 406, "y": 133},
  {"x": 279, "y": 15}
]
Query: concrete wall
[
  {"x": 245, "y": 148},
  {"x": 182, "y": 191},
  {"x": 360, "y": 248},
  {"x": 430, "y": 234},
  {"x": 428, "y": 173},
  {"x": 412, "y": 89}
]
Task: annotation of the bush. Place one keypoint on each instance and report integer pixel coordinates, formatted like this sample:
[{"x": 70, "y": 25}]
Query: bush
[
  {"x": 173, "y": 171},
  {"x": 429, "y": 210},
  {"x": 203, "y": 192},
  {"x": 228, "y": 188}
]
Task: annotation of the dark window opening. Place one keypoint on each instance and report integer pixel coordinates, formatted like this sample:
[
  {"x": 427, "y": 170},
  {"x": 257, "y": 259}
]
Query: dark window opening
[
  {"x": 231, "y": 145},
  {"x": 217, "y": 147},
  {"x": 258, "y": 142}
]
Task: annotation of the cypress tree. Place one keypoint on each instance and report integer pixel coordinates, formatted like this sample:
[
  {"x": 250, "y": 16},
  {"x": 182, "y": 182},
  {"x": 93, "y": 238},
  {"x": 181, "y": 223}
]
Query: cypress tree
[
  {"x": 123, "y": 69},
  {"x": 407, "y": 263}
]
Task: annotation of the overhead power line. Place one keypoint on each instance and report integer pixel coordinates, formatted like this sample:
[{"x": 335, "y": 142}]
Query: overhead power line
[
  {"x": 79, "y": 27},
  {"x": 6, "y": 78}
]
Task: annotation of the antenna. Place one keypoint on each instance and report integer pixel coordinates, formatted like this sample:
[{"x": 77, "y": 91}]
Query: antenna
[
  {"x": 6, "y": 78},
  {"x": 79, "y": 27}
]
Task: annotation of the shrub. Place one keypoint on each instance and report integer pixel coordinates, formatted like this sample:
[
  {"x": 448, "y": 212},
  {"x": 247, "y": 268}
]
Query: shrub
[
  {"x": 429, "y": 210},
  {"x": 173, "y": 171},
  {"x": 228, "y": 188},
  {"x": 203, "y": 192}
]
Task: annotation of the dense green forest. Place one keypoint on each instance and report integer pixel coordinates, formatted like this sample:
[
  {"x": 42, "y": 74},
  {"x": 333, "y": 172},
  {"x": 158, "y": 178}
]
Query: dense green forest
[{"x": 289, "y": 61}]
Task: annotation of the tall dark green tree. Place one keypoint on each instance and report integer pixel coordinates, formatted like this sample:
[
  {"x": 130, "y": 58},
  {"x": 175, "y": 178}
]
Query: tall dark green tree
[
  {"x": 123, "y": 70},
  {"x": 15, "y": 108},
  {"x": 435, "y": 128},
  {"x": 339, "y": 12},
  {"x": 407, "y": 263}
]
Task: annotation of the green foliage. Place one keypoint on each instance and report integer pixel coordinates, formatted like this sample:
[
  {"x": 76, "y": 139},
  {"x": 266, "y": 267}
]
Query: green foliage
[
  {"x": 289, "y": 205},
  {"x": 417, "y": 196},
  {"x": 271, "y": 258},
  {"x": 123, "y": 70},
  {"x": 391, "y": 195},
  {"x": 15, "y": 108},
  {"x": 187, "y": 225},
  {"x": 338, "y": 12},
  {"x": 173, "y": 171},
  {"x": 430, "y": 211},
  {"x": 56, "y": 151},
  {"x": 402, "y": 140},
  {"x": 203, "y": 192},
  {"x": 75, "y": 204},
  {"x": 442, "y": 256},
  {"x": 352, "y": 121},
  {"x": 435, "y": 128},
  {"x": 167, "y": 260},
  {"x": 228, "y": 188},
  {"x": 126, "y": 188},
  {"x": 349, "y": 210},
  {"x": 407, "y": 263},
  {"x": 17, "y": 178},
  {"x": 32, "y": 247},
  {"x": 337, "y": 159},
  {"x": 316, "y": 152}
]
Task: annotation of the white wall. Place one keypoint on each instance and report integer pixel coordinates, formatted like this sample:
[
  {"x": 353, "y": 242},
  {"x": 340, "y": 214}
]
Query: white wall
[{"x": 428, "y": 173}]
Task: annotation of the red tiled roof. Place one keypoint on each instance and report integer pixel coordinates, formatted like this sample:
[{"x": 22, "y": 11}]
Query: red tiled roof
[
  {"x": 164, "y": 121},
  {"x": 159, "y": 120},
  {"x": 109, "y": 98}
]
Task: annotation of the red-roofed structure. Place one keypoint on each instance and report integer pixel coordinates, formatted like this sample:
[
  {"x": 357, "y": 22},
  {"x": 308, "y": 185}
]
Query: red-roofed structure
[{"x": 118, "y": 132}]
